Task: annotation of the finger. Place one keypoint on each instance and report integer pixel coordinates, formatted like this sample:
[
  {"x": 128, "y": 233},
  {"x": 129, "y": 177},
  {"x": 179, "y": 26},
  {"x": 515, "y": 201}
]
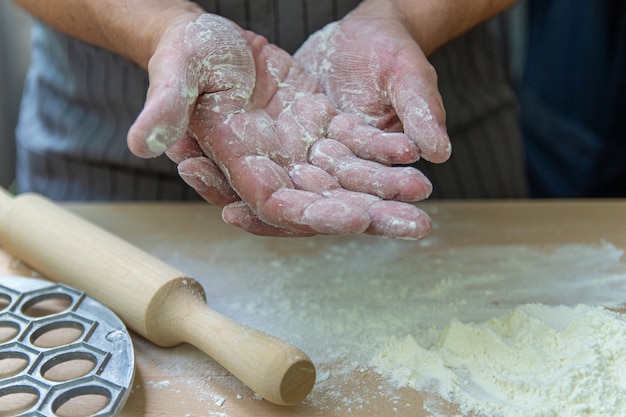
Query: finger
[
  {"x": 185, "y": 148},
  {"x": 207, "y": 180},
  {"x": 270, "y": 193},
  {"x": 239, "y": 215},
  {"x": 398, "y": 220},
  {"x": 354, "y": 174},
  {"x": 390, "y": 219},
  {"x": 162, "y": 121},
  {"x": 303, "y": 210},
  {"x": 371, "y": 143},
  {"x": 311, "y": 178},
  {"x": 415, "y": 96}
]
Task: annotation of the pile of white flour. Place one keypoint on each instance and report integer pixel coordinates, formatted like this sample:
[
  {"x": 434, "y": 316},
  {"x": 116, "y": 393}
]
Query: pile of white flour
[{"x": 534, "y": 361}]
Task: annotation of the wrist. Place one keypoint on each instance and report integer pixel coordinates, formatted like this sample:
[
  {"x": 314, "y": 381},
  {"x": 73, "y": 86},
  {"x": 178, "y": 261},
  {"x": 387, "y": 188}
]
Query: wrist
[
  {"x": 416, "y": 16},
  {"x": 155, "y": 22},
  {"x": 162, "y": 20},
  {"x": 432, "y": 23}
]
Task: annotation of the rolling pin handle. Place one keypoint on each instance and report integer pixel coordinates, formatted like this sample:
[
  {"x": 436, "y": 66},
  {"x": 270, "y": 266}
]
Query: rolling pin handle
[{"x": 276, "y": 370}]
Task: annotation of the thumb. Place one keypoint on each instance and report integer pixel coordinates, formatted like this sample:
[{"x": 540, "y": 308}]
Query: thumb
[
  {"x": 165, "y": 116},
  {"x": 418, "y": 104},
  {"x": 206, "y": 56}
]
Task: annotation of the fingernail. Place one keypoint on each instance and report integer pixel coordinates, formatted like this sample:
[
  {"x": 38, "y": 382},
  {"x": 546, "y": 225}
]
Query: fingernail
[{"x": 195, "y": 181}]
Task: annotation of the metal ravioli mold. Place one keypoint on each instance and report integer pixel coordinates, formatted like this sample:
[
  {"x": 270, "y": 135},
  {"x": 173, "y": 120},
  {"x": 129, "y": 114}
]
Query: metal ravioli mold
[{"x": 61, "y": 352}]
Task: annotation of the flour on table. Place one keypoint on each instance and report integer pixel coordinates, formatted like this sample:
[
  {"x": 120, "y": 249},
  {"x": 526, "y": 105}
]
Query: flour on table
[
  {"x": 159, "y": 384},
  {"x": 346, "y": 302},
  {"x": 534, "y": 361}
]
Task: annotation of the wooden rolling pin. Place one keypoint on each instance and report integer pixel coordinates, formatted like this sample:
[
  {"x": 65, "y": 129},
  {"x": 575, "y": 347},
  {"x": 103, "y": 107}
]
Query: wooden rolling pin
[{"x": 152, "y": 298}]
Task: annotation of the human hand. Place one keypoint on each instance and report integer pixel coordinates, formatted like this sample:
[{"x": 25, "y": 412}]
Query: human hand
[
  {"x": 369, "y": 65},
  {"x": 252, "y": 133}
]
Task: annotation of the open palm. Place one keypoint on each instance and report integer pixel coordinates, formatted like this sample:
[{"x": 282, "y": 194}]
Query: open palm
[
  {"x": 252, "y": 132},
  {"x": 369, "y": 65}
]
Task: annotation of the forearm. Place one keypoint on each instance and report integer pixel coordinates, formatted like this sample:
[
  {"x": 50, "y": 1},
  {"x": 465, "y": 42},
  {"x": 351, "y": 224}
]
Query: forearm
[
  {"x": 130, "y": 28},
  {"x": 433, "y": 23}
]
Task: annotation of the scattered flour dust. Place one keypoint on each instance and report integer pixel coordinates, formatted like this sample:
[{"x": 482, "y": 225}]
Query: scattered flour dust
[
  {"x": 504, "y": 331},
  {"x": 534, "y": 361}
]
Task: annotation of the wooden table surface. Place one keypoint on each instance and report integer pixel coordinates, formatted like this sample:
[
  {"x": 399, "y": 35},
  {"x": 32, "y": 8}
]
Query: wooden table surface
[{"x": 193, "y": 234}]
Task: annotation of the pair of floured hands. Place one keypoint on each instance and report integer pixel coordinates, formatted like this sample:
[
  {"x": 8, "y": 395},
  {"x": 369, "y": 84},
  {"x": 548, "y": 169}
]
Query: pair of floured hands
[{"x": 302, "y": 145}]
